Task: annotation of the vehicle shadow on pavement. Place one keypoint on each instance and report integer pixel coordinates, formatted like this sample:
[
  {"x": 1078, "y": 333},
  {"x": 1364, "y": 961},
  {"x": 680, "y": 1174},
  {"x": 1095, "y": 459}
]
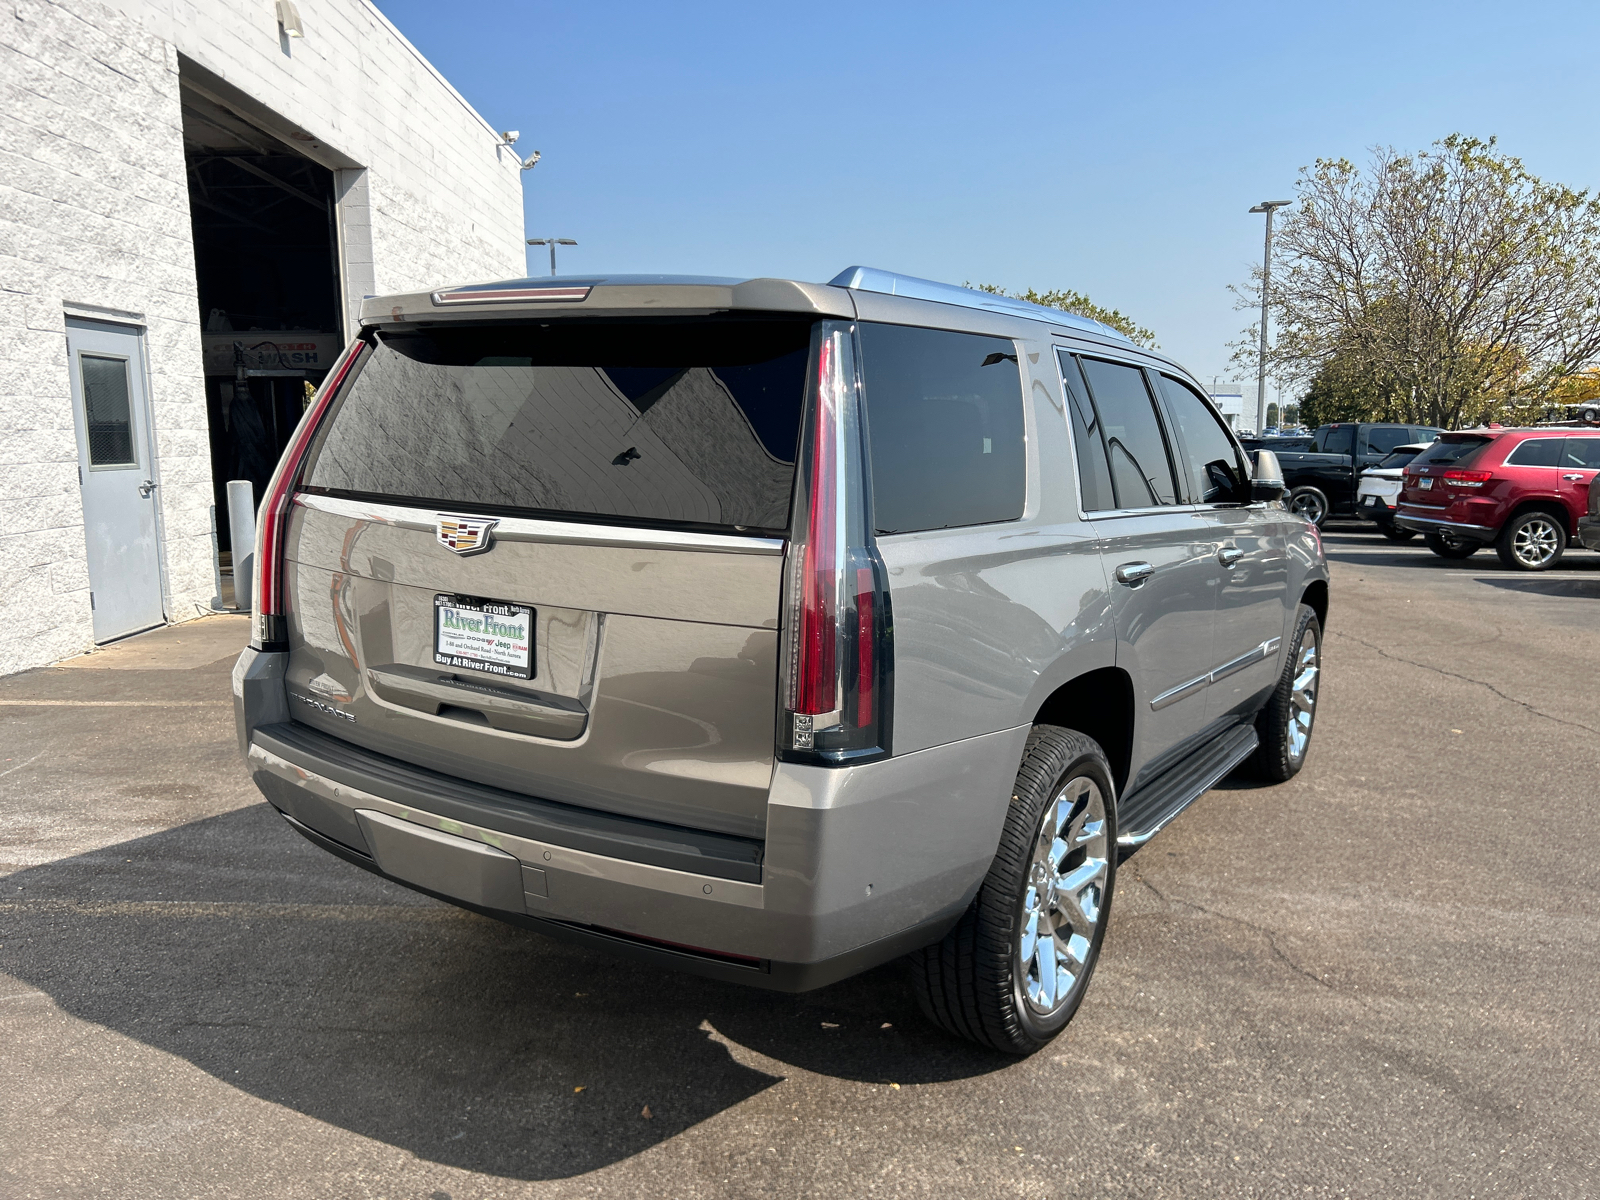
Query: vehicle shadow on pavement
[{"x": 310, "y": 984}]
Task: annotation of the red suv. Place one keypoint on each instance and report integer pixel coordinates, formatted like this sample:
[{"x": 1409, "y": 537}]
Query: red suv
[{"x": 1524, "y": 490}]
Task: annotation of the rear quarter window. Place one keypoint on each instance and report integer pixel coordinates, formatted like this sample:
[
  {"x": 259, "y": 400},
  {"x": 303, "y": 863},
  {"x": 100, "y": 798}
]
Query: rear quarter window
[
  {"x": 1536, "y": 452},
  {"x": 944, "y": 420}
]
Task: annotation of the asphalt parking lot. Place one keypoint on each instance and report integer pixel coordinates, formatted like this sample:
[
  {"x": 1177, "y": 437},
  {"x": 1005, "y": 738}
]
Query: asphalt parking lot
[{"x": 1379, "y": 979}]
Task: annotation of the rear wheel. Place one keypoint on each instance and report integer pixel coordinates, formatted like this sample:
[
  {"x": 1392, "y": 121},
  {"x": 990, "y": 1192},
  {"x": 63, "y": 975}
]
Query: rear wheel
[
  {"x": 1014, "y": 969},
  {"x": 1394, "y": 533},
  {"x": 1533, "y": 541},
  {"x": 1449, "y": 545},
  {"x": 1310, "y": 503}
]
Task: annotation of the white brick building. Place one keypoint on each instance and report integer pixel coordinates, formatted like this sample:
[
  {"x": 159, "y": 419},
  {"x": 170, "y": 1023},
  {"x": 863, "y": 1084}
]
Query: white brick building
[{"x": 176, "y": 165}]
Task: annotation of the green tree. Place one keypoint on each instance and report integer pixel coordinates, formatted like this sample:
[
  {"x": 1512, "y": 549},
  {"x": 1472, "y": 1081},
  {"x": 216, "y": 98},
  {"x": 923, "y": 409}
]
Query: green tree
[
  {"x": 1444, "y": 287},
  {"x": 1079, "y": 305}
]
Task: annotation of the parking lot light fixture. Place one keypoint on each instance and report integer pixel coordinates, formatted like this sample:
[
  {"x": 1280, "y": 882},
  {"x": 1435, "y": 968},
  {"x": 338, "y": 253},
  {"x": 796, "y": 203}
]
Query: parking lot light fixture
[
  {"x": 1266, "y": 206},
  {"x": 552, "y": 243}
]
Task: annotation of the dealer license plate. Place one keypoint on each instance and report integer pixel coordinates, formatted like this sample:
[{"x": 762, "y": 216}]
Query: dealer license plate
[{"x": 483, "y": 635}]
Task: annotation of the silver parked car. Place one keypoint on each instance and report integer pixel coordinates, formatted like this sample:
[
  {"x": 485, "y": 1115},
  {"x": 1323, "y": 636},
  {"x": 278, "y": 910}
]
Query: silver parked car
[{"x": 773, "y": 630}]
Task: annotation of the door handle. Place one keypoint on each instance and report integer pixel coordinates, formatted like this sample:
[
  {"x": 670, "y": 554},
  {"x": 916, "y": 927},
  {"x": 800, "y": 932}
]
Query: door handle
[
  {"x": 145, "y": 488},
  {"x": 1229, "y": 555},
  {"x": 1134, "y": 573},
  {"x": 1572, "y": 477}
]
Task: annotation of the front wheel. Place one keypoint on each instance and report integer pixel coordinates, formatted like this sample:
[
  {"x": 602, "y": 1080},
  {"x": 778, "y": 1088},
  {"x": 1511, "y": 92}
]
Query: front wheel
[
  {"x": 1448, "y": 545},
  {"x": 1284, "y": 724},
  {"x": 1014, "y": 969}
]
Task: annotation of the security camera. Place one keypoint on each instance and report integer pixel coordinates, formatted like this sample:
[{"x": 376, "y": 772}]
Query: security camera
[
  {"x": 510, "y": 136},
  {"x": 531, "y": 161}
]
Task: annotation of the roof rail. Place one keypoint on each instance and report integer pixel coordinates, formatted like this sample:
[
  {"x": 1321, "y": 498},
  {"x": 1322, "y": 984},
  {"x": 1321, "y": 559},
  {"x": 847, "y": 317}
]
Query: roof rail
[{"x": 871, "y": 279}]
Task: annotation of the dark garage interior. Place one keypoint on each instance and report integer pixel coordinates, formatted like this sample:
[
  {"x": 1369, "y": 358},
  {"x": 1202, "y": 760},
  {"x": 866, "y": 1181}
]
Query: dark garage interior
[{"x": 267, "y": 265}]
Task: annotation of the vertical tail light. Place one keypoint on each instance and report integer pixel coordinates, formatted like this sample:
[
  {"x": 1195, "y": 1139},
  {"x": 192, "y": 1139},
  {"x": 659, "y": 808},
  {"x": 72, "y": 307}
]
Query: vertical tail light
[
  {"x": 268, "y": 630},
  {"x": 838, "y": 665}
]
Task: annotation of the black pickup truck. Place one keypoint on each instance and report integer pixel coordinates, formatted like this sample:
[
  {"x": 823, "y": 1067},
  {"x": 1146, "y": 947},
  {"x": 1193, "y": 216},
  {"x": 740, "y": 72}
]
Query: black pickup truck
[{"x": 1321, "y": 471}]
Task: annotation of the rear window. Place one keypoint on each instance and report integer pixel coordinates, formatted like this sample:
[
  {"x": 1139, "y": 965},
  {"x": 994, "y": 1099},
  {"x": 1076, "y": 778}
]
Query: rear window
[
  {"x": 1398, "y": 459},
  {"x": 944, "y": 419},
  {"x": 1450, "y": 450},
  {"x": 677, "y": 423}
]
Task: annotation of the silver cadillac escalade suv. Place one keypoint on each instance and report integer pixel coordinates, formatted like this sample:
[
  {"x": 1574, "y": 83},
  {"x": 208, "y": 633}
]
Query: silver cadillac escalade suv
[{"x": 772, "y": 630}]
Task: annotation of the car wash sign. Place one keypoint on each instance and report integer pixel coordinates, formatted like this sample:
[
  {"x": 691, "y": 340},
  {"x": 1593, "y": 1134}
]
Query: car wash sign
[{"x": 271, "y": 352}]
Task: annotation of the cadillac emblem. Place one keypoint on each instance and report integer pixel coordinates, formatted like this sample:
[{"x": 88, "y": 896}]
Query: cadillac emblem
[{"x": 464, "y": 535}]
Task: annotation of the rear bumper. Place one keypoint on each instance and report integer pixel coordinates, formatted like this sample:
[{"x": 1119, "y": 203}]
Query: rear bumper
[
  {"x": 859, "y": 865},
  {"x": 1481, "y": 533},
  {"x": 1589, "y": 532},
  {"x": 1381, "y": 509}
]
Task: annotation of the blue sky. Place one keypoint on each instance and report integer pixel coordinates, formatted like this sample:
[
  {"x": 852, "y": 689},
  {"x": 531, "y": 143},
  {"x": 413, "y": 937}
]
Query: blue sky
[{"x": 1111, "y": 148}]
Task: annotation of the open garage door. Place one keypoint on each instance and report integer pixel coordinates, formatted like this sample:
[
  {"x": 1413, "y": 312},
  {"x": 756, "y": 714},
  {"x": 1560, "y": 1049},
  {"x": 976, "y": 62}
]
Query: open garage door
[{"x": 267, "y": 262}]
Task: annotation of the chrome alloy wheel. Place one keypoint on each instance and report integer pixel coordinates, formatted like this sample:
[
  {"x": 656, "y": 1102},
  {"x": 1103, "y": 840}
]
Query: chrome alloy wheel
[
  {"x": 1536, "y": 542},
  {"x": 1303, "y": 695},
  {"x": 1064, "y": 896}
]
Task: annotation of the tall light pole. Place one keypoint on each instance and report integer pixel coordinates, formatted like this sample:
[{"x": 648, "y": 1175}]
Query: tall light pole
[
  {"x": 1266, "y": 206},
  {"x": 554, "y": 242}
]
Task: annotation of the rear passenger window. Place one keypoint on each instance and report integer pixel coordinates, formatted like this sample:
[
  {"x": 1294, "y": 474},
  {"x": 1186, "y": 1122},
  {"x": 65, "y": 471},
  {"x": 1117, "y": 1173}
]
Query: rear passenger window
[
  {"x": 1094, "y": 475},
  {"x": 1339, "y": 439},
  {"x": 1536, "y": 452},
  {"x": 1581, "y": 452},
  {"x": 1383, "y": 438},
  {"x": 1216, "y": 476},
  {"x": 1141, "y": 474},
  {"x": 944, "y": 416}
]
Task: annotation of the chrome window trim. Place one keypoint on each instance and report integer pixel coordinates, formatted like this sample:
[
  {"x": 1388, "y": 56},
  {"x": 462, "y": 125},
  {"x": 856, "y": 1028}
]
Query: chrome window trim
[{"x": 528, "y": 529}]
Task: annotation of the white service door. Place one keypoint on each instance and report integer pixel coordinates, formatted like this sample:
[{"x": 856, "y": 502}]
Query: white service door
[{"x": 119, "y": 506}]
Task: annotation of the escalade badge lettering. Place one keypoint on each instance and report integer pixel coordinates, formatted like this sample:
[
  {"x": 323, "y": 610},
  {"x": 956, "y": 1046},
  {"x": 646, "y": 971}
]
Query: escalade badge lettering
[{"x": 464, "y": 535}]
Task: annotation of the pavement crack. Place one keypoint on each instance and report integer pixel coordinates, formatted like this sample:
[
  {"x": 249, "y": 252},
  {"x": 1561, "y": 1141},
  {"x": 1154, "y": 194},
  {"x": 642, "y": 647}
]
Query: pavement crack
[
  {"x": 1270, "y": 935},
  {"x": 1411, "y": 662}
]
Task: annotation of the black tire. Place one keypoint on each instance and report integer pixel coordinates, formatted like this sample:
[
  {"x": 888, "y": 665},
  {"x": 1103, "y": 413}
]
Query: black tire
[
  {"x": 1310, "y": 503},
  {"x": 1289, "y": 715},
  {"x": 1532, "y": 541},
  {"x": 975, "y": 982},
  {"x": 1394, "y": 533},
  {"x": 1447, "y": 545}
]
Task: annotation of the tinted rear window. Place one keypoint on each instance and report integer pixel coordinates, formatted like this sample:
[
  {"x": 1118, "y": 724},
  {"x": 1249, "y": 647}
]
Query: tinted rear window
[
  {"x": 680, "y": 423},
  {"x": 944, "y": 417},
  {"x": 1398, "y": 459},
  {"x": 1449, "y": 451}
]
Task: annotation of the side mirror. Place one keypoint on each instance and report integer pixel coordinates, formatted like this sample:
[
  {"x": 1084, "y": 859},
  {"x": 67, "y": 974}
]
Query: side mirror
[{"x": 1267, "y": 483}]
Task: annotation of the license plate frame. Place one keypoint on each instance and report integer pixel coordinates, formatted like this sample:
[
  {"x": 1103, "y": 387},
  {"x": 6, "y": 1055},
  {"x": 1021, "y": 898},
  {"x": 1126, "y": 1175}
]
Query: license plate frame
[
  {"x": 1426, "y": 483},
  {"x": 478, "y": 639}
]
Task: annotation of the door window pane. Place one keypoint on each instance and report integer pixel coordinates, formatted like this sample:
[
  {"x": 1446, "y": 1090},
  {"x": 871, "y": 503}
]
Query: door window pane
[
  {"x": 1140, "y": 472},
  {"x": 1383, "y": 438},
  {"x": 1339, "y": 439},
  {"x": 1094, "y": 475},
  {"x": 1536, "y": 452},
  {"x": 106, "y": 413},
  {"x": 1216, "y": 476},
  {"x": 1582, "y": 452},
  {"x": 944, "y": 416}
]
